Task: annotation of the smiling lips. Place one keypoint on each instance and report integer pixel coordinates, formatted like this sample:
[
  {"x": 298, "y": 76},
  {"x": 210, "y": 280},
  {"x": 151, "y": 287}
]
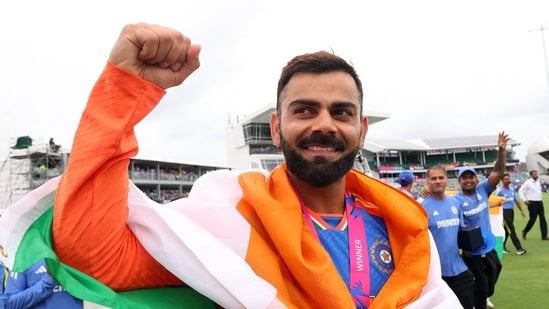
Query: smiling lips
[
  {"x": 319, "y": 148},
  {"x": 321, "y": 142}
]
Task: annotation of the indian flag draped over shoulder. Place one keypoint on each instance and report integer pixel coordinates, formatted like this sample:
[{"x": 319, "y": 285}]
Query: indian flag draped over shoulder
[
  {"x": 231, "y": 221},
  {"x": 207, "y": 250},
  {"x": 25, "y": 237}
]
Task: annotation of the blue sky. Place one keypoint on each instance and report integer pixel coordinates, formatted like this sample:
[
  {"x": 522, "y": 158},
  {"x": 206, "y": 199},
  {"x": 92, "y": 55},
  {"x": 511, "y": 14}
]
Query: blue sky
[{"x": 439, "y": 68}]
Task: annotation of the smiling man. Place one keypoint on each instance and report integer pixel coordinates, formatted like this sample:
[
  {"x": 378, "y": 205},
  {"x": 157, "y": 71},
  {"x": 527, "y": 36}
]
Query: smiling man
[
  {"x": 311, "y": 234},
  {"x": 473, "y": 199}
]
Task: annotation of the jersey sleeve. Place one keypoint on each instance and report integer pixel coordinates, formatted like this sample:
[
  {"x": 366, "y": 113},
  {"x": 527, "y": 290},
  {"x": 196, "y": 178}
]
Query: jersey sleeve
[
  {"x": 18, "y": 295},
  {"x": 91, "y": 205}
]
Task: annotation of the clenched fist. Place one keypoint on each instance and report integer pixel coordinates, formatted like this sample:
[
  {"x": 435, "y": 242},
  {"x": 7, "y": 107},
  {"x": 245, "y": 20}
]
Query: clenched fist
[{"x": 161, "y": 55}]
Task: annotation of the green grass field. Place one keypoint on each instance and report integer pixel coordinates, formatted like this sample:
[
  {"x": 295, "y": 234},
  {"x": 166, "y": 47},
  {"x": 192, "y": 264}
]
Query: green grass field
[{"x": 524, "y": 280}]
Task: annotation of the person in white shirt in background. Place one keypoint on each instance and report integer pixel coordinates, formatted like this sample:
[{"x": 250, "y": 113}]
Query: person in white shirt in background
[{"x": 530, "y": 193}]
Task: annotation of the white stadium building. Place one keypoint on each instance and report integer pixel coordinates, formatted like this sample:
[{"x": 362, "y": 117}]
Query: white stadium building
[
  {"x": 249, "y": 145},
  {"x": 537, "y": 157}
]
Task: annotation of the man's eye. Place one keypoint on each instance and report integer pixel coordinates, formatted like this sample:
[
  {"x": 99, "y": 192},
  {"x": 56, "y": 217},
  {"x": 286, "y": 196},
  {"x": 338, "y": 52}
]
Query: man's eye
[
  {"x": 303, "y": 110},
  {"x": 342, "y": 112}
]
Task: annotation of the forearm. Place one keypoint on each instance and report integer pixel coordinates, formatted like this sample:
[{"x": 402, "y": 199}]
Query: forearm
[
  {"x": 520, "y": 208},
  {"x": 499, "y": 168},
  {"x": 501, "y": 161}
]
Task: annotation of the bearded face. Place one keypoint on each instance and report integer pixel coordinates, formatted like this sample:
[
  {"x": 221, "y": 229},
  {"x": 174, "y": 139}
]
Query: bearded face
[{"x": 319, "y": 126}]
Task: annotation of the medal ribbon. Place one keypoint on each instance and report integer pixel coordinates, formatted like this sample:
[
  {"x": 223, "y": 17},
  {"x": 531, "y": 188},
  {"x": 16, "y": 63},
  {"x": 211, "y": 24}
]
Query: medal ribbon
[{"x": 358, "y": 250}]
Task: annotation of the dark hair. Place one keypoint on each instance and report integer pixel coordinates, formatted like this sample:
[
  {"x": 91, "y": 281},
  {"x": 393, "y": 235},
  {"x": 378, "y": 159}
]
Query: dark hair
[
  {"x": 437, "y": 167},
  {"x": 506, "y": 175},
  {"x": 533, "y": 171},
  {"x": 319, "y": 62}
]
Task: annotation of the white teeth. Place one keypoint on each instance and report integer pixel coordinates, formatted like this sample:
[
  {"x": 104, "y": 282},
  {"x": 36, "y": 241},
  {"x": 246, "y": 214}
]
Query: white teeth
[{"x": 315, "y": 148}]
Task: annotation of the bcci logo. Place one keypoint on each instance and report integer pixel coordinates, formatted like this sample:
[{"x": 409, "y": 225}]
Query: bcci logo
[{"x": 381, "y": 256}]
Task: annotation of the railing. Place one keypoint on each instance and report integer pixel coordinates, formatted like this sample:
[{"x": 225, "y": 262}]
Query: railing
[{"x": 162, "y": 176}]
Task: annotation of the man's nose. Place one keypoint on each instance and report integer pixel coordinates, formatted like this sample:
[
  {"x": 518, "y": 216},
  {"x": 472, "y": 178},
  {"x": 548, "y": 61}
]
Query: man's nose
[{"x": 324, "y": 123}]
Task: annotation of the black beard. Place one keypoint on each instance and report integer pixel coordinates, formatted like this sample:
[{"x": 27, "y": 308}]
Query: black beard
[{"x": 320, "y": 172}]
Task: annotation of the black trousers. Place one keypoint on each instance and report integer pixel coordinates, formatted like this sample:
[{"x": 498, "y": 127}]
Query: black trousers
[
  {"x": 486, "y": 269},
  {"x": 463, "y": 286},
  {"x": 535, "y": 210},
  {"x": 508, "y": 218}
]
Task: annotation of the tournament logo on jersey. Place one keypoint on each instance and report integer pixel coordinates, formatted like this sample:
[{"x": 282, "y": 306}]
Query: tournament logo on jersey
[{"x": 381, "y": 256}]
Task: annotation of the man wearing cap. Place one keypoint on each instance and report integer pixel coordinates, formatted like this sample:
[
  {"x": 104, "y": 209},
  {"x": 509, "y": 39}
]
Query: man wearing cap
[
  {"x": 473, "y": 199},
  {"x": 406, "y": 181}
]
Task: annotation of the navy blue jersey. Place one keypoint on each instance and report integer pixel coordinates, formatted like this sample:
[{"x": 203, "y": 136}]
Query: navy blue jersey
[{"x": 35, "y": 288}]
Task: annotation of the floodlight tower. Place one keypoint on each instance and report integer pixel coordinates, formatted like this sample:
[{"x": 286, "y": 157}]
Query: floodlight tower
[{"x": 542, "y": 29}]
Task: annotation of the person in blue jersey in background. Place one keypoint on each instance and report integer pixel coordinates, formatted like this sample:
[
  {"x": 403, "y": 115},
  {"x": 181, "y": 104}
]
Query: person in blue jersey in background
[
  {"x": 511, "y": 199},
  {"x": 445, "y": 220},
  {"x": 473, "y": 199},
  {"x": 406, "y": 181},
  {"x": 35, "y": 288}
]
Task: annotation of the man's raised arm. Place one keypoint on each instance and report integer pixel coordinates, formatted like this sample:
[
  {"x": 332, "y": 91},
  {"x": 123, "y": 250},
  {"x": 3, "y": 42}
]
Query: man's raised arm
[{"x": 91, "y": 203}]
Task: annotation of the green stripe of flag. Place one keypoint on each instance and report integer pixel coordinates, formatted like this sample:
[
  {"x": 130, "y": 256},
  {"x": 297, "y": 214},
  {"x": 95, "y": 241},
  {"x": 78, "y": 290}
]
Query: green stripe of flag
[{"x": 37, "y": 244}]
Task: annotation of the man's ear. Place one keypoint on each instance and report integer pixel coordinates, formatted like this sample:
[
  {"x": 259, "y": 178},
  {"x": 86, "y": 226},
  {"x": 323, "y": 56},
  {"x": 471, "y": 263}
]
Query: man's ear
[
  {"x": 275, "y": 129},
  {"x": 363, "y": 131}
]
